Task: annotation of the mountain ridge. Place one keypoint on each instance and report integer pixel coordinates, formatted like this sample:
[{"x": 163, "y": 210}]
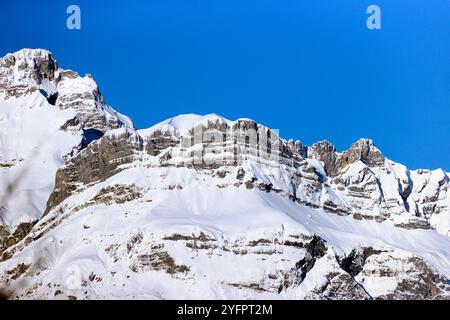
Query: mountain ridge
[{"x": 298, "y": 221}]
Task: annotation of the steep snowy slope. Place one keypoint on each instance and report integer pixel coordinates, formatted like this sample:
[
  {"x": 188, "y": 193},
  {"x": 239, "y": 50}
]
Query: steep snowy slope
[
  {"x": 46, "y": 114},
  {"x": 202, "y": 206},
  {"x": 207, "y": 242}
]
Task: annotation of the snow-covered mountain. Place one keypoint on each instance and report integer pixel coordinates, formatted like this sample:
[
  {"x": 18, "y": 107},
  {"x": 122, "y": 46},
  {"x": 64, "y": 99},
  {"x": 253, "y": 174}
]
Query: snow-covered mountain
[{"x": 201, "y": 206}]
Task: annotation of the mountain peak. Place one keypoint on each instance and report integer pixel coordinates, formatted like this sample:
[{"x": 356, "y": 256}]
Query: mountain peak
[
  {"x": 31, "y": 55},
  {"x": 40, "y": 61},
  {"x": 36, "y": 72},
  {"x": 26, "y": 70},
  {"x": 182, "y": 123},
  {"x": 365, "y": 150}
]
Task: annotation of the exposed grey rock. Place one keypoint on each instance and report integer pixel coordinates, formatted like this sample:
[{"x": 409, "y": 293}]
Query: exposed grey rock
[
  {"x": 363, "y": 150},
  {"x": 22, "y": 72},
  {"x": 159, "y": 141},
  {"x": 21, "y": 231},
  {"x": 99, "y": 161},
  {"x": 341, "y": 286}
]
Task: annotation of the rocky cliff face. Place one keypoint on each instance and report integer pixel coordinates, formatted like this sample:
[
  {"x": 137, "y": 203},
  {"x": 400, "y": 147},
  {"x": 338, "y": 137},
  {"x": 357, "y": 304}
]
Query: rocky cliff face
[
  {"x": 201, "y": 206},
  {"x": 28, "y": 71},
  {"x": 25, "y": 71},
  {"x": 334, "y": 163},
  {"x": 97, "y": 162}
]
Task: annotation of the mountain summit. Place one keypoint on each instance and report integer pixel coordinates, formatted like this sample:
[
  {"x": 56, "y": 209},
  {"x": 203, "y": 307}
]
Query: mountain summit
[{"x": 199, "y": 206}]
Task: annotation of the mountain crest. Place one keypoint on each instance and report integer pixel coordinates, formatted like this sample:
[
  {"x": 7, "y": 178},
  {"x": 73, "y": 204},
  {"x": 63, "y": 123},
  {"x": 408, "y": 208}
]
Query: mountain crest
[
  {"x": 334, "y": 162},
  {"x": 200, "y": 205},
  {"x": 25, "y": 71}
]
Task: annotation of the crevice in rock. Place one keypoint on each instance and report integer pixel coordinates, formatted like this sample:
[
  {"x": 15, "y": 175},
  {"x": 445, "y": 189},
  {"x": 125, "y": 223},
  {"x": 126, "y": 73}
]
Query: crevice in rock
[
  {"x": 90, "y": 135},
  {"x": 315, "y": 249},
  {"x": 354, "y": 262},
  {"x": 52, "y": 98}
]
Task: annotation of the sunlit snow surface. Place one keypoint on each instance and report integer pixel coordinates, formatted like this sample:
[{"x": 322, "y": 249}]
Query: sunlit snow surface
[
  {"x": 33, "y": 146},
  {"x": 78, "y": 247}
]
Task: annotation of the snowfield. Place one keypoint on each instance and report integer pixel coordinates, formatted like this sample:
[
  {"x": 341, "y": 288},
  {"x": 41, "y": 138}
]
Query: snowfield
[{"x": 81, "y": 246}]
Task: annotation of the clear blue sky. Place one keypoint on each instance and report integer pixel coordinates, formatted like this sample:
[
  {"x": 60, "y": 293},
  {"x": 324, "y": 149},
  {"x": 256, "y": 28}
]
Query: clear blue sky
[{"x": 309, "y": 68}]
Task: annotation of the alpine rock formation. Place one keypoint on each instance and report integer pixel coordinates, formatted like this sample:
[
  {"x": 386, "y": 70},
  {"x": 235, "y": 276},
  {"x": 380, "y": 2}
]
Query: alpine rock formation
[{"x": 200, "y": 206}]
